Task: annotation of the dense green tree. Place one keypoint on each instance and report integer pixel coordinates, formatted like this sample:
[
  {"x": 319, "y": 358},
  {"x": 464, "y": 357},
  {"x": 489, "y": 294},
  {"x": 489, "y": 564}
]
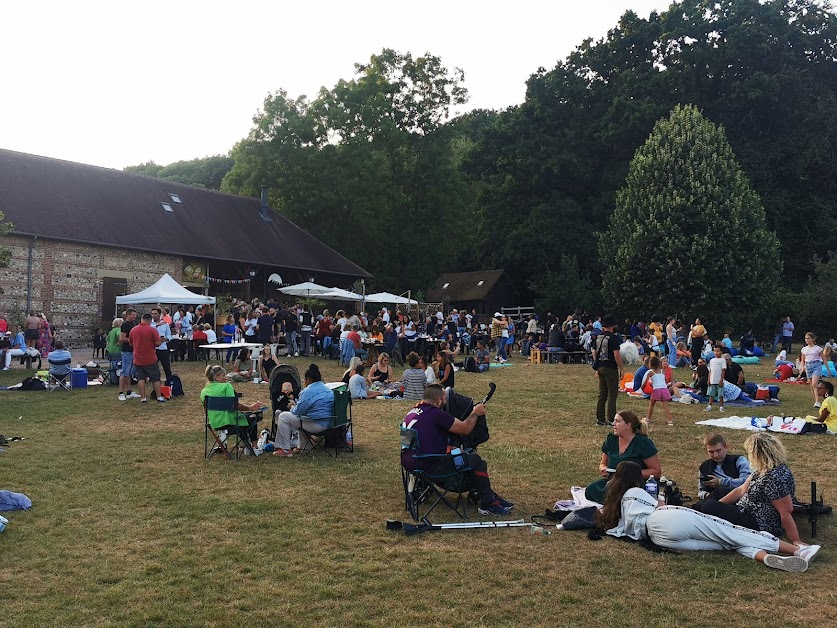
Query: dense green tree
[
  {"x": 207, "y": 172},
  {"x": 688, "y": 230},
  {"x": 368, "y": 165},
  {"x": 766, "y": 71}
]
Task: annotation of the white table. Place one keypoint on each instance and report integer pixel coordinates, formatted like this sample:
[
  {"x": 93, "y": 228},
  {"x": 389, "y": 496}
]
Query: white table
[{"x": 223, "y": 346}]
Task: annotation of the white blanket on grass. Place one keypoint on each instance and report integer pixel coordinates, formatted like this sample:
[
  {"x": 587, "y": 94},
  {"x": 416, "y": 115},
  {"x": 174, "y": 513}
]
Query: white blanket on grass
[{"x": 746, "y": 423}]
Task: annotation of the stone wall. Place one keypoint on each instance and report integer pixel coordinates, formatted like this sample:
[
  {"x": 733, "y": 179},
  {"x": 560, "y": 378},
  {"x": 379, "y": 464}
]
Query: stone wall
[{"x": 67, "y": 281}]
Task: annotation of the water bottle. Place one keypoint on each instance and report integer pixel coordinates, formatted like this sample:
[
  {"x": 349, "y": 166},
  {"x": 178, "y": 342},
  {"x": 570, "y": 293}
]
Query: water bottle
[{"x": 651, "y": 487}]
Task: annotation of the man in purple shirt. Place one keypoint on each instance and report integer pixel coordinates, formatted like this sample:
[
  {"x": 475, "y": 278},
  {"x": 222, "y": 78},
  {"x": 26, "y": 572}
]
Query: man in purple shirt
[{"x": 433, "y": 427}]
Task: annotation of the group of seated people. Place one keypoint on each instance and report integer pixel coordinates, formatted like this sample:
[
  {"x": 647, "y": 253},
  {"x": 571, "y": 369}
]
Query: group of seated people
[
  {"x": 415, "y": 378},
  {"x": 13, "y": 345},
  {"x": 746, "y": 503}
]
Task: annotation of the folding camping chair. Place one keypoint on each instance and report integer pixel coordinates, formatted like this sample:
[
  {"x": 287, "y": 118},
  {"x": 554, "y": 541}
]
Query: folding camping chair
[
  {"x": 61, "y": 380},
  {"x": 241, "y": 443},
  {"x": 447, "y": 477},
  {"x": 338, "y": 435},
  {"x": 347, "y": 352}
]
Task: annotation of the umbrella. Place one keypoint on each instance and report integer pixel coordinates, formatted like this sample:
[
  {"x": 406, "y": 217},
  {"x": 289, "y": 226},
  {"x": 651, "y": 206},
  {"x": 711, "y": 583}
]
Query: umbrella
[
  {"x": 388, "y": 297},
  {"x": 305, "y": 289},
  {"x": 339, "y": 294}
]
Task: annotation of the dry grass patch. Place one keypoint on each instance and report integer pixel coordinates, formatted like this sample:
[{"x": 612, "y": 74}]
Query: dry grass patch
[{"x": 132, "y": 527}]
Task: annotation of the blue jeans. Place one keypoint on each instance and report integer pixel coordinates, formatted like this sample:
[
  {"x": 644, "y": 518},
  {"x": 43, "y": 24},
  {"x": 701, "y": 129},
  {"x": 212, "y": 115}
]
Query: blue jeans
[
  {"x": 672, "y": 352},
  {"x": 306, "y": 342},
  {"x": 292, "y": 346},
  {"x": 501, "y": 347},
  {"x": 482, "y": 368}
]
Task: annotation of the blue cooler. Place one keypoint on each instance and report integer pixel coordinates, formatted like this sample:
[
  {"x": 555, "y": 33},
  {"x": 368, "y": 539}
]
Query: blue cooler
[{"x": 78, "y": 378}]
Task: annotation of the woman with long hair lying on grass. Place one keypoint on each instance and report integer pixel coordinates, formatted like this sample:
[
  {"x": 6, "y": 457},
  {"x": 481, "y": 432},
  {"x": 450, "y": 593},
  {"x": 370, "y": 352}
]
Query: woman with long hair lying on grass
[{"x": 630, "y": 511}]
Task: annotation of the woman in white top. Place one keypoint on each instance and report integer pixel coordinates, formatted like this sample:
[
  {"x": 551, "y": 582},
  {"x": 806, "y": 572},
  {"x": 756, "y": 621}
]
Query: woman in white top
[
  {"x": 811, "y": 360},
  {"x": 429, "y": 373},
  {"x": 250, "y": 327}
]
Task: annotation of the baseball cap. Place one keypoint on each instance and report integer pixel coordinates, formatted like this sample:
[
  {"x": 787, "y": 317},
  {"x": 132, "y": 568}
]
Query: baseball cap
[{"x": 496, "y": 314}]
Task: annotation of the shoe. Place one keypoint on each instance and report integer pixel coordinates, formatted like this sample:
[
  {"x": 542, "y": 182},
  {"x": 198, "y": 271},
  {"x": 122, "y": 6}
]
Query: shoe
[
  {"x": 609, "y": 424},
  {"x": 133, "y": 395},
  {"x": 786, "y": 563},
  {"x": 707, "y": 408},
  {"x": 720, "y": 408},
  {"x": 287, "y": 453},
  {"x": 257, "y": 451},
  {"x": 143, "y": 399},
  {"x": 601, "y": 423},
  {"x": 122, "y": 397},
  {"x": 296, "y": 355},
  {"x": 808, "y": 552},
  {"x": 162, "y": 399},
  {"x": 503, "y": 502},
  {"x": 818, "y": 405},
  {"x": 503, "y": 360},
  {"x": 494, "y": 508},
  {"x": 6, "y": 368}
]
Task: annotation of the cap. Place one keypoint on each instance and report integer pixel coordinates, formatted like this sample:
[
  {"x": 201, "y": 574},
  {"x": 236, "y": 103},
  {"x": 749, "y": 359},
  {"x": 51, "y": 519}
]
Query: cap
[{"x": 497, "y": 314}]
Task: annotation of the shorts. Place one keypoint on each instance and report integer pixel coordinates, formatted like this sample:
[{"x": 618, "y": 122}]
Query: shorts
[
  {"x": 714, "y": 390},
  {"x": 150, "y": 372},
  {"x": 31, "y": 334},
  {"x": 813, "y": 368},
  {"x": 660, "y": 394},
  {"x": 128, "y": 364}
]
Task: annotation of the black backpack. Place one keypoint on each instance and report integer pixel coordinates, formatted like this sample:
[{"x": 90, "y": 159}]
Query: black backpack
[
  {"x": 469, "y": 364},
  {"x": 32, "y": 383},
  {"x": 176, "y": 385}
]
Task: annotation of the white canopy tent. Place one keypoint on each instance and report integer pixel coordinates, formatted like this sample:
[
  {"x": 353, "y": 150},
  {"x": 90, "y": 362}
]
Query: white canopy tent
[
  {"x": 388, "y": 297},
  {"x": 305, "y": 289},
  {"x": 165, "y": 290},
  {"x": 337, "y": 294}
]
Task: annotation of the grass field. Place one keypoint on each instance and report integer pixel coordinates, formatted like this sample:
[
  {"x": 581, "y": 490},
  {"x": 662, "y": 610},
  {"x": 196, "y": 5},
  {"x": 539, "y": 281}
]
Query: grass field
[{"x": 131, "y": 526}]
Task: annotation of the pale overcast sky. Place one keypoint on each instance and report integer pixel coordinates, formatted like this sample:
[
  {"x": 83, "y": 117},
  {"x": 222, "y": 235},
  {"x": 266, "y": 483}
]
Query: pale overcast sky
[{"x": 116, "y": 83}]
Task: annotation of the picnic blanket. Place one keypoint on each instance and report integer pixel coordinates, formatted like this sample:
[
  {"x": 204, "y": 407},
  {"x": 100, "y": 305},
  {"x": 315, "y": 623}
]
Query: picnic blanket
[
  {"x": 784, "y": 381},
  {"x": 496, "y": 365},
  {"x": 793, "y": 426}
]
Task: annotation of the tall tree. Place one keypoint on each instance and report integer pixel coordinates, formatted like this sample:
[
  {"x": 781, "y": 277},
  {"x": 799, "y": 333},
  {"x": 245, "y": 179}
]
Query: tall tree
[
  {"x": 206, "y": 172},
  {"x": 688, "y": 230},
  {"x": 366, "y": 164}
]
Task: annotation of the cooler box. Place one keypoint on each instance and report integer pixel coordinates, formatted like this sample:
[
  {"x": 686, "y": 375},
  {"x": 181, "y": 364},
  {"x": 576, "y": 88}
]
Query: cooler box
[{"x": 78, "y": 378}]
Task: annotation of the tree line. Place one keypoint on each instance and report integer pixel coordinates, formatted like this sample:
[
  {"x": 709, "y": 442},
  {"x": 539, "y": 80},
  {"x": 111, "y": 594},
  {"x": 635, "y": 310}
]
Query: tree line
[{"x": 377, "y": 168}]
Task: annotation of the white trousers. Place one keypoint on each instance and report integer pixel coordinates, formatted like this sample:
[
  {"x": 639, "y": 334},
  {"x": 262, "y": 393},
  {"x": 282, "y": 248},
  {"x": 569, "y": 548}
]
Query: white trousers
[
  {"x": 16, "y": 353},
  {"x": 682, "y": 528}
]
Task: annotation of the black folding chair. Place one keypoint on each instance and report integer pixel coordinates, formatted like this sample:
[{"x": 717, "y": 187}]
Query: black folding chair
[
  {"x": 239, "y": 433},
  {"x": 446, "y": 477},
  {"x": 338, "y": 435}
]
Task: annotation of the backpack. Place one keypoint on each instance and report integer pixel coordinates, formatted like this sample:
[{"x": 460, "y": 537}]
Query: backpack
[
  {"x": 176, "y": 385},
  {"x": 470, "y": 365},
  {"x": 603, "y": 350},
  {"x": 32, "y": 383}
]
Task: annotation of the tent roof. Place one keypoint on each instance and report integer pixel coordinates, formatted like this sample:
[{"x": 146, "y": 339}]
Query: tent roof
[
  {"x": 388, "y": 297},
  {"x": 306, "y": 288},
  {"x": 165, "y": 290}
]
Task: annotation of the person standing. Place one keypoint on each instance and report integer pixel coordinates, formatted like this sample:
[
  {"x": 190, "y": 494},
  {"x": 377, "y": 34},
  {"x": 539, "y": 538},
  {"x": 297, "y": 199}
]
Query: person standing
[
  {"x": 127, "y": 356},
  {"x": 698, "y": 334},
  {"x": 144, "y": 339},
  {"x": 812, "y": 363},
  {"x": 717, "y": 372},
  {"x": 306, "y": 326},
  {"x": 164, "y": 330},
  {"x": 265, "y": 326},
  {"x": 32, "y": 329},
  {"x": 787, "y": 335},
  {"x": 607, "y": 362}
]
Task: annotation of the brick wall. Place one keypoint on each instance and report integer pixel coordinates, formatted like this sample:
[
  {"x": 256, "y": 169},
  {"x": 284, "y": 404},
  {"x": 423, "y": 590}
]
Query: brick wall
[{"x": 67, "y": 281}]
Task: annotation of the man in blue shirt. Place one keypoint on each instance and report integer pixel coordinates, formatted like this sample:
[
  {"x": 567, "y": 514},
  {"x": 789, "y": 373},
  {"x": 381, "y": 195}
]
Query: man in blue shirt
[
  {"x": 787, "y": 335},
  {"x": 60, "y": 361},
  {"x": 312, "y": 412},
  {"x": 723, "y": 472}
]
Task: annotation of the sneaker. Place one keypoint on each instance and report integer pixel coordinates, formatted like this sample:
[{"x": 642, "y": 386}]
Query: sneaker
[
  {"x": 287, "y": 453},
  {"x": 707, "y": 408},
  {"x": 494, "y": 508},
  {"x": 6, "y": 368},
  {"x": 162, "y": 399},
  {"x": 808, "y": 552},
  {"x": 503, "y": 360},
  {"x": 143, "y": 399},
  {"x": 818, "y": 405},
  {"x": 257, "y": 451},
  {"x": 601, "y": 423},
  {"x": 503, "y": 502},
  {"x": 720, "y": 408},
  {"x": 133, "y": 395},
  {"x": 786, "y": 563},
  {"x": 296, "y": 355},
  {"x": 122, "y": 397}
]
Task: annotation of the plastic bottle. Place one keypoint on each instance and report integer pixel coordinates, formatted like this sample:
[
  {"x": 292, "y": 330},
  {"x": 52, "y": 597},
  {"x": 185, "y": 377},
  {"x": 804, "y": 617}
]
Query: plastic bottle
[{"x": 651, "y": 487}]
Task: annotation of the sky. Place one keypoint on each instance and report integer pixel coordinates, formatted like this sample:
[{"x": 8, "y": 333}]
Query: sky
[{"x": 115, "y": 83}]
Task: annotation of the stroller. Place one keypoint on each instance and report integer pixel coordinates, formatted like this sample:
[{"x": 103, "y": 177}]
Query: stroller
[{"x": 278, "y": 376}]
